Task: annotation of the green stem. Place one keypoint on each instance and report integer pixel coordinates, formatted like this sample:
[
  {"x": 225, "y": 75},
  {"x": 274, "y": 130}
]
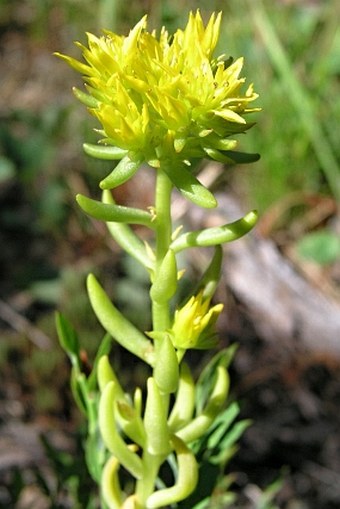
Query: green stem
[
  {"x": 146, "y": 485},
  {"x": 163, "y": 230},
  {"x": 160, "y": 316}
]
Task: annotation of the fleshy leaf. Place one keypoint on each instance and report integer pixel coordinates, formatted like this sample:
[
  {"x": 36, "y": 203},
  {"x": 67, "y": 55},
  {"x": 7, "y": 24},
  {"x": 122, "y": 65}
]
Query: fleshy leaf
[
  {"x": 127, "y": 238},
  {"x": 88, "y": 100},
  {"x": 164, "y": 286},
  {"x": 205, "y": 381},
  {"x": 105, "y": 152},
  {"x": 155, "y": 421},
  {"x": 110, "y": 433},
  {"x": 183, "y": 408},
  {"x": 215, "y": 235},
  {"x": 212, "y": 275},
  {"x": 186, "y": 482},
  {"x": 200, "y": 424},
  {"x": 124, "y": 170},
  {"x": 241, "y": 157},
  {"x": 116, "y": 324},
  {"x": 190, "y": 187},
  {"x": 166, "y": 371},
  {"x": 111, "y": 212},
  {"x": 110, "y": 484}
]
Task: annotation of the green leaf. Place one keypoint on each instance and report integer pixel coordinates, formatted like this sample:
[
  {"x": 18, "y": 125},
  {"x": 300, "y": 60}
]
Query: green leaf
[
  {"x": 124, "y": 170},
  {"x": 128, "y": 417},
  {"x": 79, "y": 390},
  {"x": 69, "y": 342},
  {"x": 111, "y": 436},
  {"x": 126, "y": 238},
  {"x": 241, "y": 157},
  {"x": 126, "y": 334},
  {"x": 228, "y": 448},
  {"x": 112, "y": 212},
  {"x": 183, "y": 408},
  {"x": 155, "y": 421},
  {"x": 106, "y": 374},
  {"x": 198, "y": 427},
  {"x": 165, "y": 283},
  {"x": 231, "y": 156},
  {"x": 84, "y": 98},
  {"x": 211, "y": 276},
  {"x": 190, "y": 187},
  {"x": 68, "y": 338},
  {"x": 215, "y": 235},
  {"x": 215, "y": 142},
  {"x": 221, "y": 425},
  {"x": 218, "y": 155},
  {"x": 95, "y": 455},
  {"x": 206, "y": 379},
  {"x": 166, "y": 371},
  {"x": 322, "y": 247},
  {"x": 108, "y": 153},
  {"x": 186, "y": 481},
  {"x": 104, "y": 349}
]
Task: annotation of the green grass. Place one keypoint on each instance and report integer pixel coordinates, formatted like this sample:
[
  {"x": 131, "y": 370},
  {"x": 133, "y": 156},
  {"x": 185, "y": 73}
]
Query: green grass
[{"x": 290, "y": 53}]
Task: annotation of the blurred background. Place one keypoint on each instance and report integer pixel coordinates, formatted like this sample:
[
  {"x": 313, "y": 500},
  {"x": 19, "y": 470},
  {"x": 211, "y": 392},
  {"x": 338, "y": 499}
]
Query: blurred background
[{"x": 281, "y": 286}]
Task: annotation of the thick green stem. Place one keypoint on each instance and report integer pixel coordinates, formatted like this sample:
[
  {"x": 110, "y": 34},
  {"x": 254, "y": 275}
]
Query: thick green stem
[
  {"x": 163, "y": 230},
  {"x": 146, "y": 485},
  {"x": 160, "y": 321}
]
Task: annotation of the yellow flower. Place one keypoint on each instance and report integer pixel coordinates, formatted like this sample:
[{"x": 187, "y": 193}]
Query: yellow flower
[
  {"x": 193, "y": 325},
  {"x": 162, "y": 98}
]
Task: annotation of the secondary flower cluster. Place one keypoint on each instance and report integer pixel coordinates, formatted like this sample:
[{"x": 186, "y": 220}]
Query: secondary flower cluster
[
  {"x": 194, "y": 324},
  {"x": 163, "y": 98}
]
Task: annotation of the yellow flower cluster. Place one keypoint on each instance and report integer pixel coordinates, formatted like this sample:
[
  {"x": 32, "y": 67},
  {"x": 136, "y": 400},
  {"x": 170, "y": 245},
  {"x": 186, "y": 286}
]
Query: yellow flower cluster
[
  {"x": 193, "y": 325},
  {"x": 164, "y": 98}
]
